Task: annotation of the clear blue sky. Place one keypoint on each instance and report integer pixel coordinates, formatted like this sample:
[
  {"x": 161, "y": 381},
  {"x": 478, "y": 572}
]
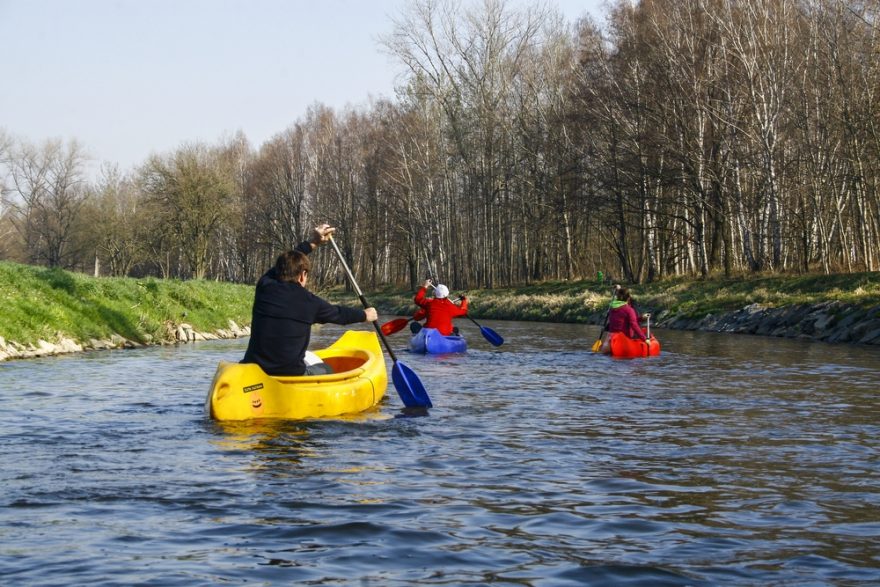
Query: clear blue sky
[{"x": 128, "y": 78}]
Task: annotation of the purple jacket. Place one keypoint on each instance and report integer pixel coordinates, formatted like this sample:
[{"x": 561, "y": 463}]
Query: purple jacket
[{"x": 624, "y": 319}]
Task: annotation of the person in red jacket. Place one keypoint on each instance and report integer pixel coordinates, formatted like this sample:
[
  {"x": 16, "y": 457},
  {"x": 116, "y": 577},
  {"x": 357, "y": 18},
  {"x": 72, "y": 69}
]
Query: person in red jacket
[
  {"x": 439, "y": 309},
  {"x": 622, "y": 318}
]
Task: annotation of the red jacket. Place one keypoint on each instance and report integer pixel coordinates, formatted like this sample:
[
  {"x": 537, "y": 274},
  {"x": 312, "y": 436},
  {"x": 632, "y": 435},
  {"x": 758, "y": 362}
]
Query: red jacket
[
  {"x": 440, "y": 311},
  {"x": 624, "y": 319}
]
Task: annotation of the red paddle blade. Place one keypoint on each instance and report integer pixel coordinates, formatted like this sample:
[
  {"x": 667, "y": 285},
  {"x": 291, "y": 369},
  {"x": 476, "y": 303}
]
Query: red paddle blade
[{"x": 394, "y": 326}]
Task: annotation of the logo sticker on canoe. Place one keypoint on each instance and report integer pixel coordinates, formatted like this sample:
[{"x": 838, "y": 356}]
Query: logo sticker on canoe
[{"x": 251, "y": 388}]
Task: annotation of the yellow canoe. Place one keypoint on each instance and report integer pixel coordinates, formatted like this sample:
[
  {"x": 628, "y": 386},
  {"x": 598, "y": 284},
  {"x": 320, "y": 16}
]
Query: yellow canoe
[{"x": 243, "y": 391}]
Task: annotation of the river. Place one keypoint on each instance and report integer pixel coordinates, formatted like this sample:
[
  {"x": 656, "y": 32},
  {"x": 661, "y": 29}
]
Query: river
[{"x": 728, "y": 460}]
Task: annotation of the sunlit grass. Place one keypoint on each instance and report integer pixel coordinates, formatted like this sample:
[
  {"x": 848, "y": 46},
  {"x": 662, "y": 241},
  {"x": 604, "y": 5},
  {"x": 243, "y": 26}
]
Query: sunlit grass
[
  {"x": 39, "y": 303},
  {"x": 584, "y": 301}
]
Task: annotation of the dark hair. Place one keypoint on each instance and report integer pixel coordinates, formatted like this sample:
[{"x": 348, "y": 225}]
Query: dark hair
[
  {"x": 290, "y": 265},
  {"x": 623, "y": 294}
]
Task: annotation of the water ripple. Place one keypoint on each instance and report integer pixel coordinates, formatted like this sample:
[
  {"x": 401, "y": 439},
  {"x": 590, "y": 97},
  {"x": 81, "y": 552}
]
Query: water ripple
[{"x": 728, "y": 460}]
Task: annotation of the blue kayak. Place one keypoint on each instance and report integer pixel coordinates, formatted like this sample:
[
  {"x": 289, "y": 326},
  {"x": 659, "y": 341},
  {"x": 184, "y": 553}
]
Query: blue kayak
[{"x": 429, "y": 340}]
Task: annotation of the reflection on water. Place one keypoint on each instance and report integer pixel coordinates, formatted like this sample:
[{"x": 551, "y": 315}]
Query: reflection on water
[{"x": 728, "y": 460}]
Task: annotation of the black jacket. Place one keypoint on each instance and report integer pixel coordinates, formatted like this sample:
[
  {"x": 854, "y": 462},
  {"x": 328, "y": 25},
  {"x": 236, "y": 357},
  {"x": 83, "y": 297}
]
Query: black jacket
[{"x": 282, "y": 319}]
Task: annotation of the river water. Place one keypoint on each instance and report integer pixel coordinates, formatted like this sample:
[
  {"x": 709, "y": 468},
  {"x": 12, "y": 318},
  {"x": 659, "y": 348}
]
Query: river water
[{"x": 728, "y": 460}]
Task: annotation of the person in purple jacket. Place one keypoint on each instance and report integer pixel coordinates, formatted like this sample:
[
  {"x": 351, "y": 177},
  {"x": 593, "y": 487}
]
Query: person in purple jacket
[
  {"x": 622, "y": 318},
  {"x": 284, "y": 311}
]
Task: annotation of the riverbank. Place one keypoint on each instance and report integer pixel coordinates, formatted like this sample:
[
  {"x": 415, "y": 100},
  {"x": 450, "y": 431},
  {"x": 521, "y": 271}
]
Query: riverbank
[
  {"x": 50, "y": 311},
  {"x": 842, "y": 308}
]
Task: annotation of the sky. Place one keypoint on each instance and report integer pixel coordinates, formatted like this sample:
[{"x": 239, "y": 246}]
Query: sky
[{"x": 130, "y": 78}]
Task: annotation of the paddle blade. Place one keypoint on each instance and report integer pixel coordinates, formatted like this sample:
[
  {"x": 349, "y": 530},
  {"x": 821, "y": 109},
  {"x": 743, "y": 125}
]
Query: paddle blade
[
  {"x": 492, "y": 336},
  {"x": 596, "y": 346},
  {"x": 410, "y": 389},
  {"x": 394, "y": 326}
]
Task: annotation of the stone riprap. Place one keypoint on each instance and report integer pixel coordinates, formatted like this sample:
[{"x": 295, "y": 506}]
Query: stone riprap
[
  {"x": 828, "y": 322},
  {"x": 178, "y": 333}
]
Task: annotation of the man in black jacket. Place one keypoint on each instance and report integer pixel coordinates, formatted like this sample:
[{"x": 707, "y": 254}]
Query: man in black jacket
[{"x": 284, "y": 311}]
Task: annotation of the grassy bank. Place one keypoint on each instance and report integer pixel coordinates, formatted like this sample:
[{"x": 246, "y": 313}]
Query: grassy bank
[
  {"x": 583, "y": 301},
  {"x": 39, "y": 303}
]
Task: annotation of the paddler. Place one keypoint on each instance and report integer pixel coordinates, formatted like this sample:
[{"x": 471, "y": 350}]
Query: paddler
[
  {"x": 440, "y": 310},
  {"x": 284, "y": 311},
  {"x": 622, "y": 318}
]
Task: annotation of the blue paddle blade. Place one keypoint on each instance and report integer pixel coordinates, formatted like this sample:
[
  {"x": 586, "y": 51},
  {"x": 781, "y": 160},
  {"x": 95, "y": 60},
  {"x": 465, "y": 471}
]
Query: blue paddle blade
[
  {"x": 491, "y": 336},
  {"x": 410, "y": 389}
]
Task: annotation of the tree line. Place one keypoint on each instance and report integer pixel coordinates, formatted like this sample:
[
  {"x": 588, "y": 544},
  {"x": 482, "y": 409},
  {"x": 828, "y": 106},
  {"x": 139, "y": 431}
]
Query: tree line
[{"x": 681, "y": 137}]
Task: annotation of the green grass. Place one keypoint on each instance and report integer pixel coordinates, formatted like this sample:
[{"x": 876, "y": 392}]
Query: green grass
[
  {"x": 695, "y": 299},
  {"x": 38, "y": 303},
  {"x": 41, "y": 303},
  {"x": 581, "y": 301}
]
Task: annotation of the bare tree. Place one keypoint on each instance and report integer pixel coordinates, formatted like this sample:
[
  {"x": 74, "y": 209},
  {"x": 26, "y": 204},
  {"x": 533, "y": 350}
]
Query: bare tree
[
  {"x": 116, "y": 213},
  {"x": 48, "y": 192},
  {"x": 760, "y": 36},
  {"x": 192, "y": 198},
  {"x": 235, "y": 259},
  {"x": 278, "y": 184},
  {"x": 7, "y": 230}
]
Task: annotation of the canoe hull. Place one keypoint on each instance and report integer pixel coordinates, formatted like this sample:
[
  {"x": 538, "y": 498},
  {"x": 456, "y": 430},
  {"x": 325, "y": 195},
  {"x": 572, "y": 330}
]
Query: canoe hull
[
  {"x": 628, "y": 348},
  {"x": 429, "y": 340},
  {"x": 243, "y": 391}
]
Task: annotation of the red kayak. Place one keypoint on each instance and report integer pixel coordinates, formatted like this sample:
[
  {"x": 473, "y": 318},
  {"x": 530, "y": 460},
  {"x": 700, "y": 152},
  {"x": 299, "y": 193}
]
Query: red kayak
[{"x": 629, "y": 348}]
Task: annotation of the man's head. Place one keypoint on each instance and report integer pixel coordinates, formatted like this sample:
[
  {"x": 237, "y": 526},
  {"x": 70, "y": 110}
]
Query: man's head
[
  {"x": 441, "y": 291},
  {"x": 292, "y": 265}
]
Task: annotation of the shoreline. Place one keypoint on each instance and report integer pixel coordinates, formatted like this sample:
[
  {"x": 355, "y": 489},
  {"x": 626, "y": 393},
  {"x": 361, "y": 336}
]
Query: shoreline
[
  {"x": 831, "y": 322},
  {"x": 50, "y": 312},
  {"x": 182, "y": 334}
]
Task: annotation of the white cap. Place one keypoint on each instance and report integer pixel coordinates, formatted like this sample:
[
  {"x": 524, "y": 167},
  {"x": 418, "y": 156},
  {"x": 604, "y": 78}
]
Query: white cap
[{"x": 441, "y": 291}]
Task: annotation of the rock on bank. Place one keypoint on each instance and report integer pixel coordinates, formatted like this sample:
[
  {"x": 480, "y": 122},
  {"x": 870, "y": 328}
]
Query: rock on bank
[
  {"x": 827, "y": 321},
  {"x": 179, "y": 333}
]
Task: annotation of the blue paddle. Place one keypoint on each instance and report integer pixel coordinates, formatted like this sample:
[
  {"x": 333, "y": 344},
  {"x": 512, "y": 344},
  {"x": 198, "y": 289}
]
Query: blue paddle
[
  {"x": 489, "y": 334},
  {"x": 408, "y": 385}
]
